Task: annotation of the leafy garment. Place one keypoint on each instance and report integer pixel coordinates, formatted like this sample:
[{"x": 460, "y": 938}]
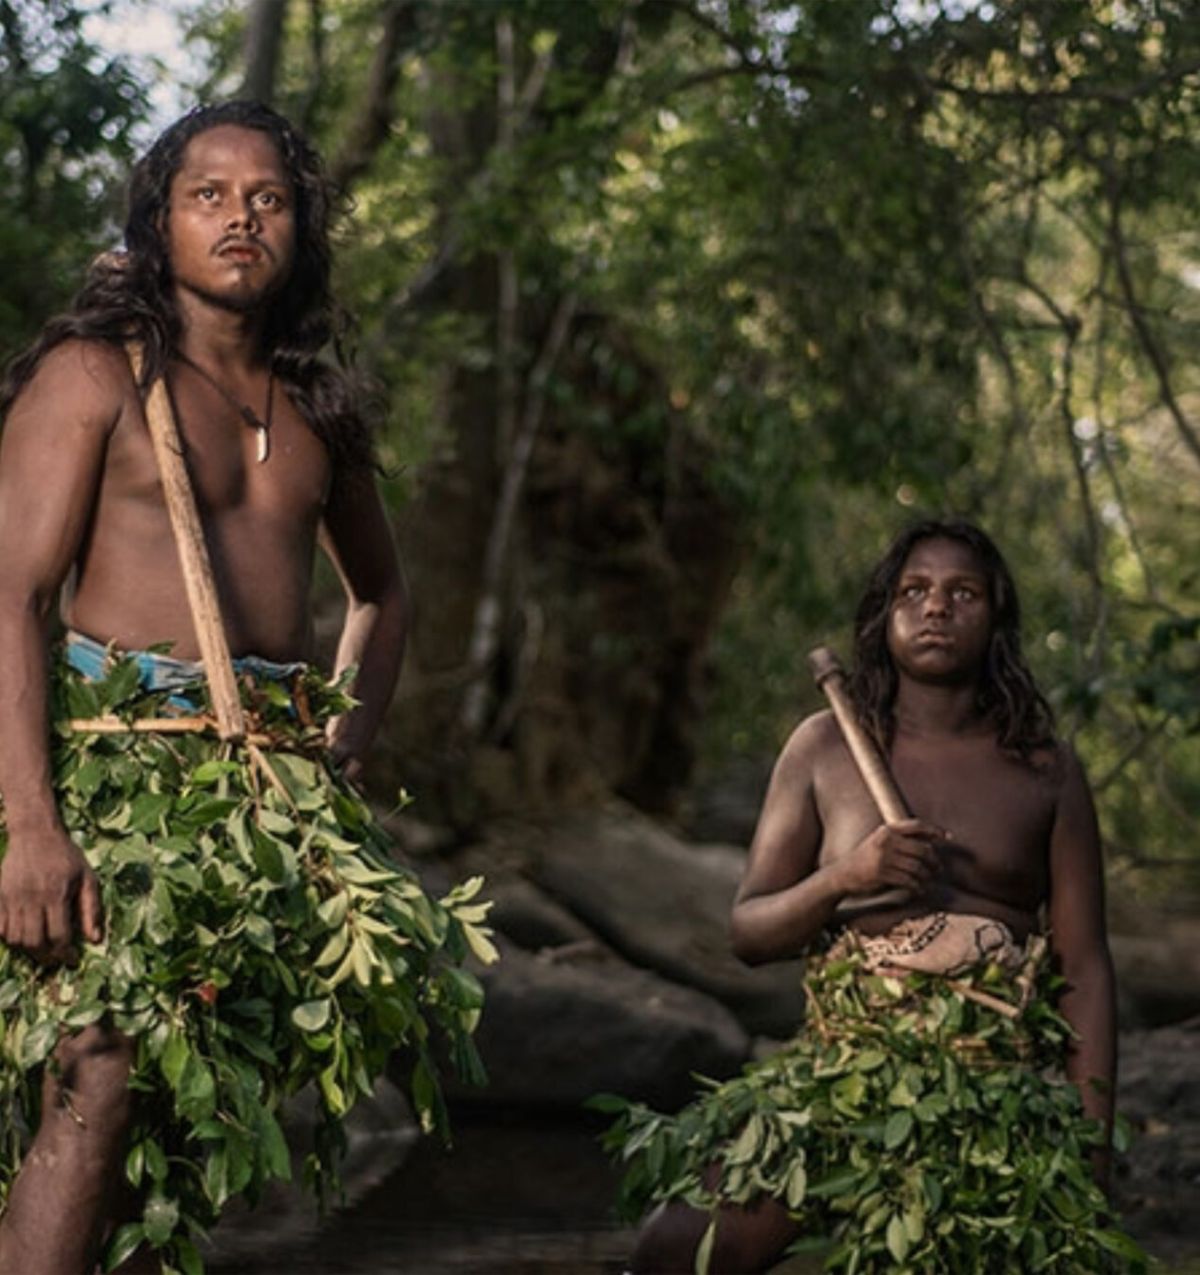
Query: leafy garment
[
  {"x": 912, "y": 1126},
  {"x": 259, "y": 938}
]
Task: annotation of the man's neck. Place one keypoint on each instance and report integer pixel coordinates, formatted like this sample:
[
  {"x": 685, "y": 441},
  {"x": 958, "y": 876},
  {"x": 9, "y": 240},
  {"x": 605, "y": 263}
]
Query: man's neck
[
  {"x": 927, "y": 709},
  {"x": 220, "y": 339}
]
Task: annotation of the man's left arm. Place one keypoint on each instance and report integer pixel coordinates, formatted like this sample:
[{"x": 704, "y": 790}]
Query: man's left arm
[
  {"x": 357, "y": 537},
  {"x": 1079, "y": 941}
]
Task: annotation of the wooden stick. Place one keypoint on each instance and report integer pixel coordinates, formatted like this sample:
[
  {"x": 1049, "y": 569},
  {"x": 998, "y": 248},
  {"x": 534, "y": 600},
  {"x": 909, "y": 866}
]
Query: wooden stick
[
  {"x": 193, "y": 556},
  {"x": 153, "y": 725},
  {"x": 159, "y": 725},
  {"x": 828, "y": 673}
]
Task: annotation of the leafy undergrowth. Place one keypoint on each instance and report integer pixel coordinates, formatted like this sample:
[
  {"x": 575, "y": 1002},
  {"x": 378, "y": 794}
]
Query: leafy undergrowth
[{"x": 260, "y": 938}]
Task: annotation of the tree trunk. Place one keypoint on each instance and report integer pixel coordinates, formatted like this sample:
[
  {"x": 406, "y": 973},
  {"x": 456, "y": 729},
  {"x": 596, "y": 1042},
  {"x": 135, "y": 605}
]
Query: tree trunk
[{"x": 261, "y": 46}]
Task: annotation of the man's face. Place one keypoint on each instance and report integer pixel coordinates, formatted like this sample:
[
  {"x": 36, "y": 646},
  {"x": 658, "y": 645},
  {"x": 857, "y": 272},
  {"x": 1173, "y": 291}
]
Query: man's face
[
  {"x": 940, "y": 623},
  {"x": 231, "y": 223}
]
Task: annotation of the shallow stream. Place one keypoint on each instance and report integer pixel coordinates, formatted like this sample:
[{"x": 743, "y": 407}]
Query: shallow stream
[{"x": 516, "y": 1195}]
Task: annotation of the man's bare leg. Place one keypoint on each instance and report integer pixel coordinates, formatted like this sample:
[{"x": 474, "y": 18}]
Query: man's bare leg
[{"x": 59, "y": 1206}]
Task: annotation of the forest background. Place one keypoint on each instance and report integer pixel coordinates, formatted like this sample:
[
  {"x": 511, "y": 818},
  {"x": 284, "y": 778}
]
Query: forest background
[
  {"x": 678, "y": 309},
  {"x": 675, "y": 311}
]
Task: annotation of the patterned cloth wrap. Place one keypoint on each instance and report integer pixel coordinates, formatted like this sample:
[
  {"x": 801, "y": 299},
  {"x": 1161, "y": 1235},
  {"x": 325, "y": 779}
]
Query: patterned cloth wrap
[
  {"x": 918, "y": 1123},
  {"x": 937, "y": 943},
  {"x": 260, "y": 936}
]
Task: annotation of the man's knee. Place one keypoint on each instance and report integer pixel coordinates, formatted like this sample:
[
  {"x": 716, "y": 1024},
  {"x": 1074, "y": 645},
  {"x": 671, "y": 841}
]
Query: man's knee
[
  {"x": 91, "y": 1076},
  {"x": 667, "y": 1242}
]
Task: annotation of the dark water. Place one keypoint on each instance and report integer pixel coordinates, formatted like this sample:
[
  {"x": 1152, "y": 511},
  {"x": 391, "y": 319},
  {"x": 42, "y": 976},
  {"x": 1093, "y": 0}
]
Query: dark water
[{"x": 515, "y": 1196}]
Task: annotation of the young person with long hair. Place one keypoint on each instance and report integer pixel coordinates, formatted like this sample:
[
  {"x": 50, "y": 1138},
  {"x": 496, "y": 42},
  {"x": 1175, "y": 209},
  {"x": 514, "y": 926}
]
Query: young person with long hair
[
  {"x": 223, "y": 286},
  {"x": 1003, "y": 834}
]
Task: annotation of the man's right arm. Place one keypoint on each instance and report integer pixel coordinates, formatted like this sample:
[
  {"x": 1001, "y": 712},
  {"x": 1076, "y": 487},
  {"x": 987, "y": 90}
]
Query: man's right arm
[{"x": 51, "y": 457}]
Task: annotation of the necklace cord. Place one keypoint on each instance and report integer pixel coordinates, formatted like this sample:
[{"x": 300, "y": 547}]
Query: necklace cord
[{"x": 244, "y": 410}]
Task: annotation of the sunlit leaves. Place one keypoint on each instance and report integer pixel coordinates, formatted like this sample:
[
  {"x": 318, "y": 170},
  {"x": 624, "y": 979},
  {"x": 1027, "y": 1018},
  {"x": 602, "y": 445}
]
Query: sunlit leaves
[
  {"x": 260, "y": 938},
  {"x": 907, "y": 1129}
]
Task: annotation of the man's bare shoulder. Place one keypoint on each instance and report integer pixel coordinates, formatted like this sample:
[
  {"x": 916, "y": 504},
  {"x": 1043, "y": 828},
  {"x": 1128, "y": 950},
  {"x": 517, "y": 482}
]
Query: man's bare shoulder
[{"x": 87, "y": 382}]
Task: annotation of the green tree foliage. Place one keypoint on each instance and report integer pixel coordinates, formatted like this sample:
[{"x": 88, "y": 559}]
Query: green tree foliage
[
  {"x": 66, "y": 112},
  {"x": 850, "y": 260}
]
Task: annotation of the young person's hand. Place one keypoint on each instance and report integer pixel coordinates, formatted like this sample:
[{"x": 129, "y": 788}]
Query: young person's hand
[
  {"x": 901, "y": 855},
  {"x": 49, "y": 895}
]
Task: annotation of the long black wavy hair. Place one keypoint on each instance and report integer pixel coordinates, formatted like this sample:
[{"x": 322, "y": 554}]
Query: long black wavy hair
[
  {"x": 128, "y": 295},
  {"x": 1007, "y": 692}
]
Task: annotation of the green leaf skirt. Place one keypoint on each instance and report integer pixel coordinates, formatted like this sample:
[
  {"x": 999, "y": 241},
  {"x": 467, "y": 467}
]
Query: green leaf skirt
[
  {"x": 908, "y": 1128},
  {"x": 260, "y": 938}
]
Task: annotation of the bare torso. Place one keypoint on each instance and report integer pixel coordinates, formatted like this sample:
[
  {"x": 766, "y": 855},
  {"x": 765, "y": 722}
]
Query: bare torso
[
  {"x": 260, "y": 522},
  {"x": 998, "y": 811}
]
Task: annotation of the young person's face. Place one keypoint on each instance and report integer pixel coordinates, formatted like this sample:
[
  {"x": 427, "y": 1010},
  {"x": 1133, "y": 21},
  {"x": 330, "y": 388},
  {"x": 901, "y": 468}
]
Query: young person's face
[
  {"x": 231, "y": 222},
  {"x": 940, "y": 622}
]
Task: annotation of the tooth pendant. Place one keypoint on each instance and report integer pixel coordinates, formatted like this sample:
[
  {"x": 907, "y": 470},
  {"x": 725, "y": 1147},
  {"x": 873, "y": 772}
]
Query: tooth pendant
[{"x": 263, "y": 449}]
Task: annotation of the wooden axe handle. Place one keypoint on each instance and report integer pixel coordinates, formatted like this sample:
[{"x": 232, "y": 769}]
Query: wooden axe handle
[
  {"x": 828, "y": 673},
  {"x": 193, "y": 556}
]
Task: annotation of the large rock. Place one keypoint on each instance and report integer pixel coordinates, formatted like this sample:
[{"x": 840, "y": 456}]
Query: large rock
[
  {"x": 555, "y": 1032},
  {"x": 723, "y": 804},
  {"x": 1157, "y": 957},
  {"x": 1158, "y": 1091},
  {"x": 664, "y": 904},
  {"x": 525, "y": 914}
]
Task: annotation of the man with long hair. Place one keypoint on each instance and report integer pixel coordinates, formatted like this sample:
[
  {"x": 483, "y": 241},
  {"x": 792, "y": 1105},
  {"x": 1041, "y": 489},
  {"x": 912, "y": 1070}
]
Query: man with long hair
[
  {"x": 1003, "y": 834},
  {"x": 223, "y": 286}
]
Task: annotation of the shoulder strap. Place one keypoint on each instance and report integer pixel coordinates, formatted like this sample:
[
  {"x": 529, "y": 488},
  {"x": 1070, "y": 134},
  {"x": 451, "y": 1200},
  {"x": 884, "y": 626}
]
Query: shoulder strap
[{"x": 193, "y": 554}]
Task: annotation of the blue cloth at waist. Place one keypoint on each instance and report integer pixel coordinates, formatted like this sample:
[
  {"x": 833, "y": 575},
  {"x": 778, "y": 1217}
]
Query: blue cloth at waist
[{"x": 164, "y": 672}]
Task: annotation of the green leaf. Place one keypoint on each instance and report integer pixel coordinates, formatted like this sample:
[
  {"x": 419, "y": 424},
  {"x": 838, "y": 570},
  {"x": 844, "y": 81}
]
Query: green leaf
[
  {"x": 135, "y": 1164},
  {"x": 196, "y": 1092},
  {"x": 128, "y": 1239},
  {"x": 38, "y": 1043},
  {"x": 260, "y": 932},
  {"x": 840, "y": 1183},
  {"x": 174, "y": 1057},
  {"x": 333, "y": 910},
  {"x": 148, "y": 811},
  {"x": 311, "y": 1016},
  {"x": 797, "y": 1185},
  {"x": 273, "y": 1147},
  {"x": 121, "y": 683},
  {"x": 159, "y": 1218},
  {"x": 209, "y": 772},
  {"x": 190, "y": 1262},
  {"x": 897, "y": 1130},
  {"x": 704, "y": 1250},
  {"x": 156, "y": 1161},
  {"x": 745, "y": 1148},
  {"x": 482, "y": 947},
  {"x": 268, "y": 856},
  {"x": 897, "y": 1238},
  {"x": 278, "y": 825},
  {"x": 334, "y": 949},
  {"x": 1121, "y": 1245}
]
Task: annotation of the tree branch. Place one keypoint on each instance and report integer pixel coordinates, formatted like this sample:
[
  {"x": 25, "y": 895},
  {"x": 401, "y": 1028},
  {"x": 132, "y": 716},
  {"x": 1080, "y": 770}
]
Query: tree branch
[
  {"x": 1071, "y": 329},
  {"x": 485, "y": 628},
  {"x": 260, "y": 49},
  {"x": 316, "y": 49},
  {"x": 377, "y": 108},
  {"x": 1137, "y": 316}
]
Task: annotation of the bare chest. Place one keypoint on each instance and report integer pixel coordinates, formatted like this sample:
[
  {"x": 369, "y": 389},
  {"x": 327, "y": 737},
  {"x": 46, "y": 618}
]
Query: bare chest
[
  {"x": 998, "y": 813},
  {"x": 278, "y": 477}
]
